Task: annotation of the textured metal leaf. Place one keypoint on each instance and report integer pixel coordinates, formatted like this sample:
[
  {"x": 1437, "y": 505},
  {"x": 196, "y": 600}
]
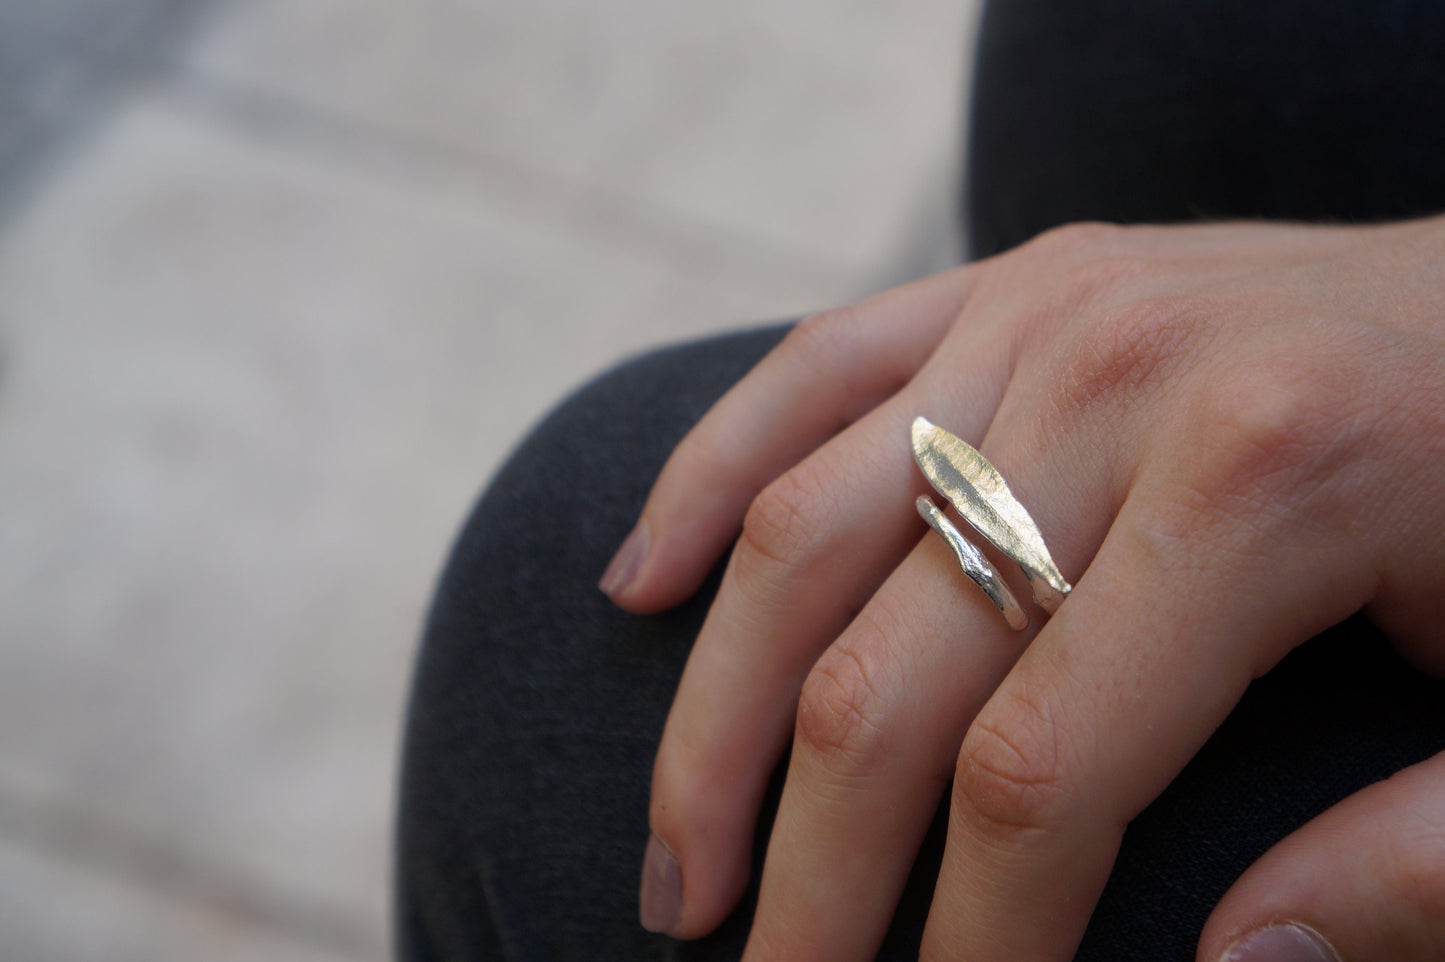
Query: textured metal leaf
[{"x": 982, "y": 497}]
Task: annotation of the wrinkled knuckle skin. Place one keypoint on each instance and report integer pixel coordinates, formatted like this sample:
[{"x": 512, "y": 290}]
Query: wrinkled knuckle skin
[
  {"x": 1009, "y": 784},
  {"x": 819, "y": 340},
  {"x": 785, "y": 522},
  {"x": 1266, "y": 446},
  {"x": 1127, "y": 354},
  {"x": 1277, "y": 425},
  {"x": 845, "y": 712}
]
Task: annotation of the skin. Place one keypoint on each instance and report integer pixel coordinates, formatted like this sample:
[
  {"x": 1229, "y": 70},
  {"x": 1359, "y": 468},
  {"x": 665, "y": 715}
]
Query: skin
[{"x": 1231, "y": 437}]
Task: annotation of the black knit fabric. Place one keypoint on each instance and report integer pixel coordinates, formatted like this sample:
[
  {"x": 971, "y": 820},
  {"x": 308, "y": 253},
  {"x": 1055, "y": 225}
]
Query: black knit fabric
[{"x": 1137, "y": 110}]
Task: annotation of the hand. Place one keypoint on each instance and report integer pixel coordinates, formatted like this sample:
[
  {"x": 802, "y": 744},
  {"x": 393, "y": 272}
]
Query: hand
[{"x": 1231, "y": 437}]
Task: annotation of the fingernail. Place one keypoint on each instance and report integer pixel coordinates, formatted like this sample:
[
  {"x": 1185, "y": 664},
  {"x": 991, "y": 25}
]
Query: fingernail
[
  {"x": 623, "y": 566},
  {"x": 661, "y": 896},
  {"x": 1281, "y": 943}
]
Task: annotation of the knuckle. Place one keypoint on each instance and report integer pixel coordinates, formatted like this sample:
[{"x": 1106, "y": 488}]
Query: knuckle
[
  {"x": 845, "y": 711},
  {"x": 1281, "y": 408},
  {"x": 785, "y": 522},
  {"x": 1092, "y": 282},
  {"x": 697, "y": 455},
  {"x": 1128, "y": 353},
  {"x": 1279, "y": 422},
  {"x": 687, "y": 785},
  {"x": 1276, "y": 443},
  {"x": 823, "y": 327},
  {"x": 1087, "y": 236},
  {"x": 1010, "y": 782},
  {"x": 1076, "y": 275},
  {"x": 817, "y": 337}
]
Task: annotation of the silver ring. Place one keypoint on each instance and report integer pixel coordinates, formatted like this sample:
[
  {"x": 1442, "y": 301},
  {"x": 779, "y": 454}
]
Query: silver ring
[{"x": 981, "y": 496}]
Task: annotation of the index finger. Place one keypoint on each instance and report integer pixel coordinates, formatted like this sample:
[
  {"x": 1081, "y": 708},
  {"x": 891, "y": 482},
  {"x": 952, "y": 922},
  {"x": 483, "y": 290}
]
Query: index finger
[{"x": 830, "y": 370}]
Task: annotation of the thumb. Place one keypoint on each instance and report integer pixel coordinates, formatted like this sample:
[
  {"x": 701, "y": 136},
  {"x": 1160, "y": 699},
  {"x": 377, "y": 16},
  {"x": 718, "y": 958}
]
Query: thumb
[{"x": 1364, "y": 881}]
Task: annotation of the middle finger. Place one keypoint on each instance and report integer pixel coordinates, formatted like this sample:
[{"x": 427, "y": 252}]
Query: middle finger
[{"x": 879, "y": 725}]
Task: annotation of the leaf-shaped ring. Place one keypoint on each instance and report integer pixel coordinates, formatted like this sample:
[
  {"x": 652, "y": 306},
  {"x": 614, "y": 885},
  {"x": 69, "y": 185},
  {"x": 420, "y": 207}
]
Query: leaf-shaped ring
[{"x": 982, "y": 497}]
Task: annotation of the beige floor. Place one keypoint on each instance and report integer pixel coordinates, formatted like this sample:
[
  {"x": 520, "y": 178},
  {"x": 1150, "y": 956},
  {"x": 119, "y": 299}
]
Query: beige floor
[{"x": 267, "y": 324}]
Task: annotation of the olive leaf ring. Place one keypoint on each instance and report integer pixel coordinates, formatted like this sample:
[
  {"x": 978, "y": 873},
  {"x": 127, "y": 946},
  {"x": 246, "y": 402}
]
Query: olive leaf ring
[{"x": 981, "y": 496}]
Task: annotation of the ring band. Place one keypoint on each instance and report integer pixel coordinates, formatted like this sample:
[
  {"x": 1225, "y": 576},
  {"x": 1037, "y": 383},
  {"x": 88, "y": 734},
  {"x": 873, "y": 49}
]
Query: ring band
[
  {"x": 982, "y": 497},
  {"x": 975, "y": 565}
]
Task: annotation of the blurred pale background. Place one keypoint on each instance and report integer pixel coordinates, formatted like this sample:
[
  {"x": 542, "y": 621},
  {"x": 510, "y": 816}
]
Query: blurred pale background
[{"x": 280, "y": 283}]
